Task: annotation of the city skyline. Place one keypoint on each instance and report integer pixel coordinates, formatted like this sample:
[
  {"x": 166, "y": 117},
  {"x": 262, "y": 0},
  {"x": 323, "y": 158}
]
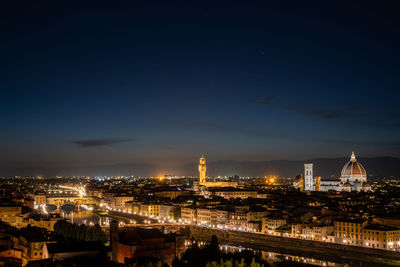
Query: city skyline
[
  {"x": 327, "y": 168},
  {"x": 144, "y": 84}
]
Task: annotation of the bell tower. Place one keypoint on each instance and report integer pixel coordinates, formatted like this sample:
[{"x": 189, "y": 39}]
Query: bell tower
[
  {"x": 202, "y": 170},
  {"x": 308, "y": 177}
]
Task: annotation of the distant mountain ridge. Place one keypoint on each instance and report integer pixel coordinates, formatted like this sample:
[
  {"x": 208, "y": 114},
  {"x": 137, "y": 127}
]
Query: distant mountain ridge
[{"x": 327, "y": 168}]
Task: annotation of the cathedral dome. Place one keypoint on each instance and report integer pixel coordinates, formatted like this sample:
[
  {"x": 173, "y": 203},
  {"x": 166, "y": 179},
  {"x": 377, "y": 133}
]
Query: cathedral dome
[{"x": 353, "y": 171}]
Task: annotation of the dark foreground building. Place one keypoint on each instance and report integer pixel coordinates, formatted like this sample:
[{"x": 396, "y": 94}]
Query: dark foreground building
[{"x": 136, "y": 242}]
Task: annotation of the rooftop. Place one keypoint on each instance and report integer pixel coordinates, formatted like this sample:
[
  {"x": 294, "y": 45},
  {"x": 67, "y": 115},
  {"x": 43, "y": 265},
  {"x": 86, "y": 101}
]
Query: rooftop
[
  {"x": 135, "y": 235},
  {"x": 351, "y": 220},
  {"x": 380, "y": 227}
]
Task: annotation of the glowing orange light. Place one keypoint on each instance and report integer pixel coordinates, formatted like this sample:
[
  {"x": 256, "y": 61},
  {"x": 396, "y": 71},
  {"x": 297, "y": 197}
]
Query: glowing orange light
[{"x": 270, "y": 180}]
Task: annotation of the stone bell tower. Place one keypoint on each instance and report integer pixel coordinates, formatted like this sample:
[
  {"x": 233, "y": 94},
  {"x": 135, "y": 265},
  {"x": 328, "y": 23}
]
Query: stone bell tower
[{"x": 202, "y": 170}]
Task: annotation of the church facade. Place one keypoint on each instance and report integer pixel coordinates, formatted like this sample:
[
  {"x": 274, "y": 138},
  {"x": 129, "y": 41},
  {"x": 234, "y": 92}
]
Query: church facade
[{"x": 353, "y": 178}]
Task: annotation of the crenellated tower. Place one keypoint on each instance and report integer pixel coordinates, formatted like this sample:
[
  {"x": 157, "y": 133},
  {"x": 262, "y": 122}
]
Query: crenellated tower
[{"x": 202, "y": 170}]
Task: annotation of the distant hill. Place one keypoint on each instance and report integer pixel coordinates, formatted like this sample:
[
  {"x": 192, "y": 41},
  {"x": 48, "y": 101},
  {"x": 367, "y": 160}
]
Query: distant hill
[
  {"x": 137, "y": 169},
  {"x": 327, "y": 168}
]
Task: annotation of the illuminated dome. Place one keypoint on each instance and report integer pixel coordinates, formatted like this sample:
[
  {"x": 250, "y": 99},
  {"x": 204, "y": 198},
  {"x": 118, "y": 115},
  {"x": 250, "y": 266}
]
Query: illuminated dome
[{"x": 353, "y": 171}]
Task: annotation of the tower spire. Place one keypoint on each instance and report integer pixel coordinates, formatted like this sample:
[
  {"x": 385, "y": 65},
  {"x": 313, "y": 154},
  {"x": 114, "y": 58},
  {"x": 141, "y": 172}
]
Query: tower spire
[{"x": 353, "y": 156}]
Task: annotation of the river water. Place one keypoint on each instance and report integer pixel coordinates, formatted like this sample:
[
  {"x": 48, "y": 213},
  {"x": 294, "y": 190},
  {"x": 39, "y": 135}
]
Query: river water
[
  {"x": 273, "y": 257},
  {"x": 87, "y": 217}
]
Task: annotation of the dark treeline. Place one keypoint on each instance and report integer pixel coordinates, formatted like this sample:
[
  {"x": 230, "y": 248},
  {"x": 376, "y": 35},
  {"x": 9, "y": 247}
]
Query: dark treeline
[{"x": 80, "y": 232}]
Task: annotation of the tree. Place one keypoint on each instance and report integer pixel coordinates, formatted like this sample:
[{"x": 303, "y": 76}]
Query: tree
[
  {"x": 214, "y": 242},
  {"x": 99, "y": 234},
  {"x": 80, "y": 232},
  {"x": 71, "y": 231}
]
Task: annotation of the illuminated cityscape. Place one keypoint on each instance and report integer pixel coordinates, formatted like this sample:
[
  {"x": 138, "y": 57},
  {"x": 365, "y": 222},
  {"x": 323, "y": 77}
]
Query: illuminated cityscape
[
  {"x": 204, "y": 134},
  {"x": 274, "y": 213}
]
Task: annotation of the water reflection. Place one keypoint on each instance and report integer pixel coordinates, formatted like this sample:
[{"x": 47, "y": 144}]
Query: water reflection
[
  {"x": 88, "y": 218},
  {"x": 273, "y": 257}
]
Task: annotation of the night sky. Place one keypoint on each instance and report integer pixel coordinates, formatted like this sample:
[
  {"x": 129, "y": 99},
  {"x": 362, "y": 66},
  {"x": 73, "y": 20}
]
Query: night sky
[{"x": 163, "y": 82}]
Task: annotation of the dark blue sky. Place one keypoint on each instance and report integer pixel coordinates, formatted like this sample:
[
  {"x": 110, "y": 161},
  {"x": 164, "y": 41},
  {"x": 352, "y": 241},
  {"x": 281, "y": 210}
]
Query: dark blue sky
[{"x": 158, "y": 82}]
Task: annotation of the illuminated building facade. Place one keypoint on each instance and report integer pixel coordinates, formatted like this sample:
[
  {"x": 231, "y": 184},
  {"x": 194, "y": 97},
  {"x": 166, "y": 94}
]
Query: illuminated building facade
[
  {"x": 232, "y": 193},
  {"x": 271, "y": 223},
  {"x": 381, "y": 236},
  {"x": 171, "y": 194},
  {"x": 349, "y": 231},
  {"x": 188, "y": 214},
  {"x": 358, "y": 232},
  {"x": 207, "y": 216},
  {"x": 301, "y": 182},
  {"x": 317, "y": 183},
  {"x": 39, "y": 199}
]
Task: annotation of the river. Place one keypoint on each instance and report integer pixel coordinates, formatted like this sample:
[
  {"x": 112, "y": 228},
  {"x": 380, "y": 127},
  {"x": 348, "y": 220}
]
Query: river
[{"x": 91, "y": 218}]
